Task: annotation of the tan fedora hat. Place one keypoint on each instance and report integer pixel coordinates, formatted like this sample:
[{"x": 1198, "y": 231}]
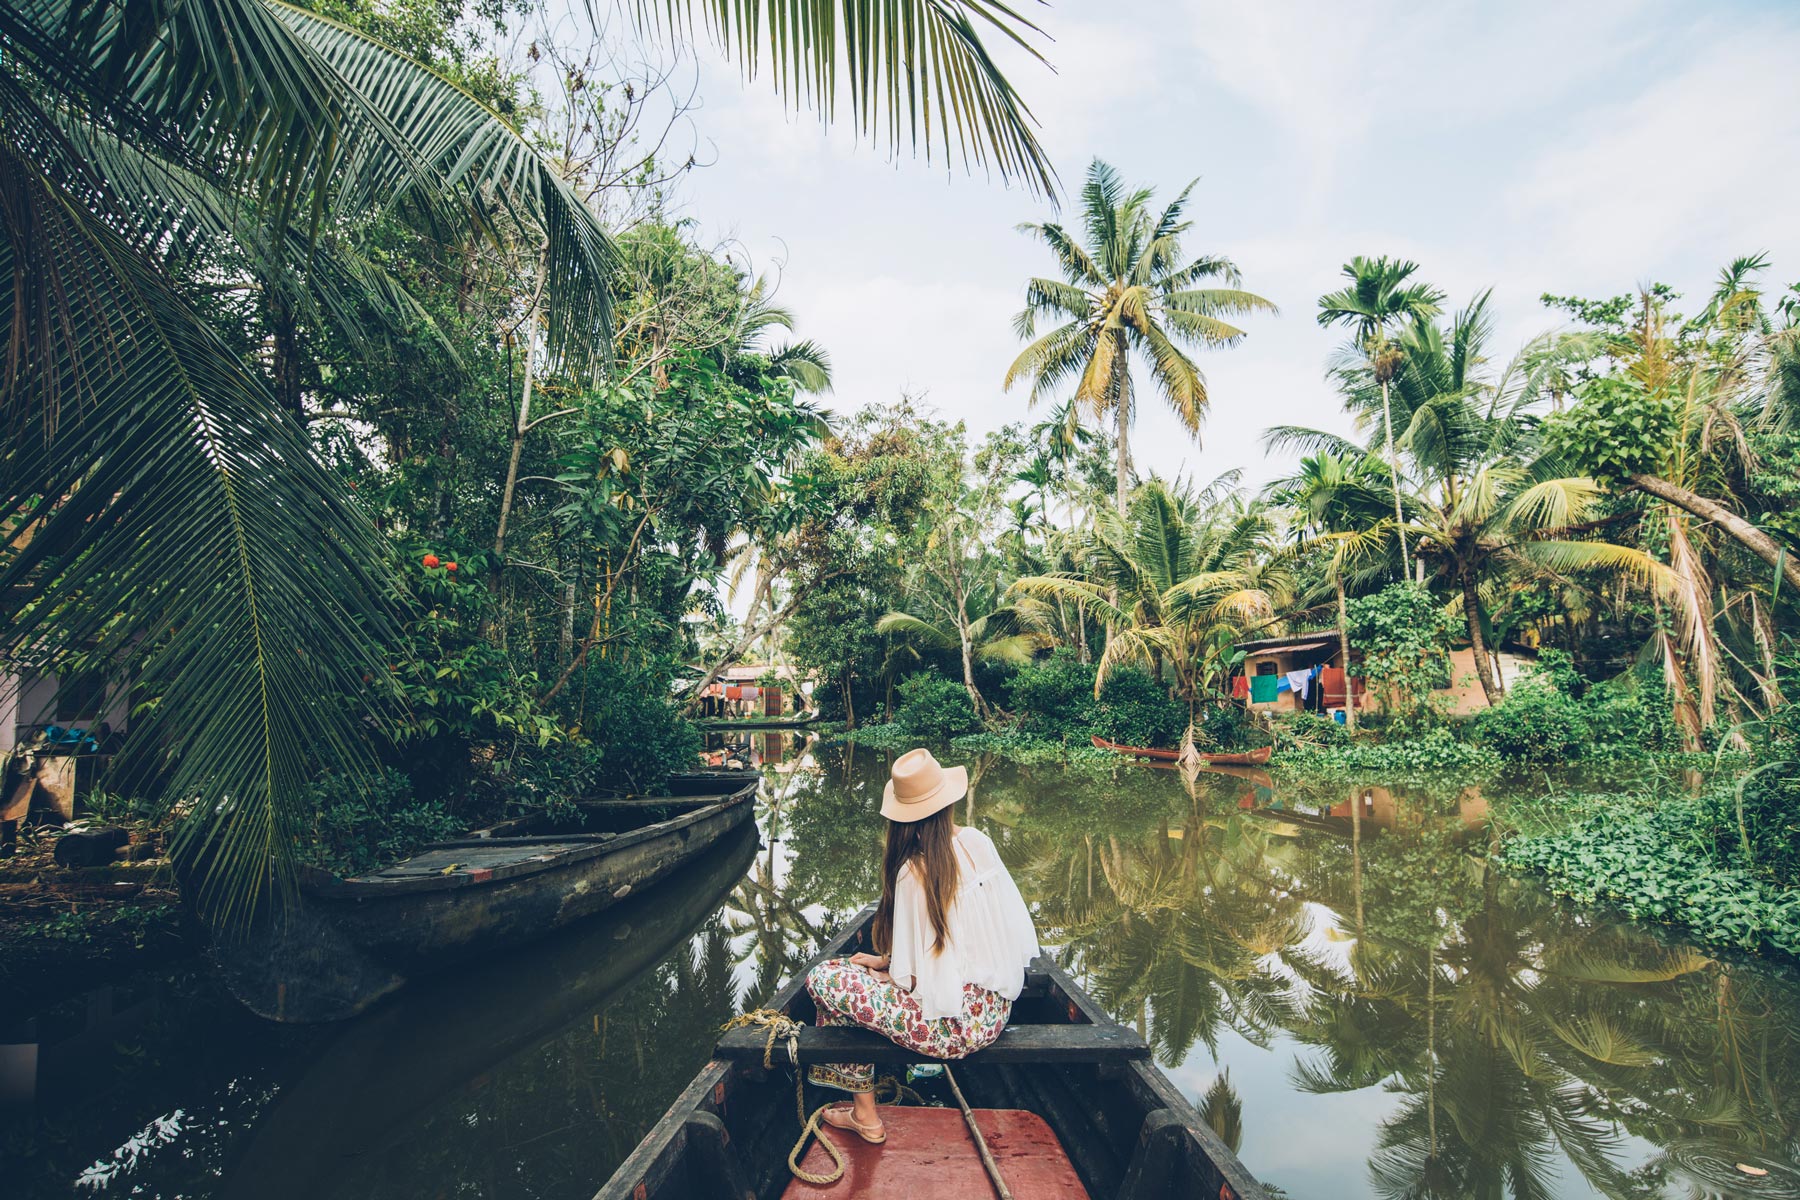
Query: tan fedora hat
[{"x": 918, "y": 787}]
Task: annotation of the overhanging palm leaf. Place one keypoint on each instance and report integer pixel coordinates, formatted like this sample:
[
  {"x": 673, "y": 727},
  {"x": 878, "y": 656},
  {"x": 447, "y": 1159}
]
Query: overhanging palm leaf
[
  {"x": 162, "y": 513},
  {"x": 916, "y": 67}
]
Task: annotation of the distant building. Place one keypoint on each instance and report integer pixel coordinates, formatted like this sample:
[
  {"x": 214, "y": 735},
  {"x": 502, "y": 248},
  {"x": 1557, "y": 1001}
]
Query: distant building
[{"x": 1278, "y": 675}]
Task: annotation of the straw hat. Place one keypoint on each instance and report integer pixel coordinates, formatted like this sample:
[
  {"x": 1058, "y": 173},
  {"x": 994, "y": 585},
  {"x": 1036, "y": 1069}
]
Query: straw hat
[{"x": 918, "y": 787}]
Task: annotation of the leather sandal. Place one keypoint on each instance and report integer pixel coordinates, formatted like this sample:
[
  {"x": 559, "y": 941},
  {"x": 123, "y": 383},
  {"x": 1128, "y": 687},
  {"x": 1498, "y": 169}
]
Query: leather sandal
[{"x": 844, "y": 1117}]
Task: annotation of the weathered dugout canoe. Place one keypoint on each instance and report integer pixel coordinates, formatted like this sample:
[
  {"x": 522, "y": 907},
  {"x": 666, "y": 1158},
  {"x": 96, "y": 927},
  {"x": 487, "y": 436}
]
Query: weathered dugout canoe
[
  {"x": 1247, "y": 758},
  {"x": 344, "y": 943},
  {"x": 380, "y": 1081},
  {"x": 1127, "y": 1130}
]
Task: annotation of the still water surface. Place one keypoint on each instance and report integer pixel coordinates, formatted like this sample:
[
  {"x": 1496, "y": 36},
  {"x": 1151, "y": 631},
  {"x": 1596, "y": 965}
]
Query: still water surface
[{"x": 1364, "y": 1007}]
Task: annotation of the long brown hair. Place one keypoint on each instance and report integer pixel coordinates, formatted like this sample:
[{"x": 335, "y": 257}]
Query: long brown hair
[{"x": 930, "y": 846}]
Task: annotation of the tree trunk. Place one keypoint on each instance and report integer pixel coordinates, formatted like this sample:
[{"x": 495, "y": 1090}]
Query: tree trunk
[
  {"x": 520, "y": 427},
  {"x": 1484, "y": 666},
  {"x": 1343, "y": 624},
  {"x": 518, "y": 444},
  {"x": 1746, "y": 534},
  {"x": 1122, "y": 456},
  {"x": 1387, "y": 426},
  {"x": 968, "y": 666}
]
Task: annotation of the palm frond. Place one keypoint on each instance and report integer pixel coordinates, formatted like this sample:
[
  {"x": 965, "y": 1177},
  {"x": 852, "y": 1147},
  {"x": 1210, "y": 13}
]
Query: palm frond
[
  {"x": 918, "y": 73},
  {"x": 167, "y": 494}
]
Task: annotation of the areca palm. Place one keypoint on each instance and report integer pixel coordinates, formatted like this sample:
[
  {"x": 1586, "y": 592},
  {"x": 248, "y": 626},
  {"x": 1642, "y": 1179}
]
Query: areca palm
[
  {"x": 1126, "y": 290},
  {"x": 157, "y": 505},
  {"x": 1340, "y": 507},
  {"x": 1377, "y": 298}
]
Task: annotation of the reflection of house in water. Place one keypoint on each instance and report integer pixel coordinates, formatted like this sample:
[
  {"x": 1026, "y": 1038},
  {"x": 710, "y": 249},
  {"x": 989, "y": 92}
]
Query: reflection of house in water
[{"x": 1379, "y": 808}]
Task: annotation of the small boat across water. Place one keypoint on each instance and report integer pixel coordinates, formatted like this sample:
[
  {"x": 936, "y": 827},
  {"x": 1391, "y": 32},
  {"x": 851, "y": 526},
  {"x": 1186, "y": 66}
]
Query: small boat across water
[
  {"x": 1067, "y": 1100},
  {"x": 1240, "y": 758}
]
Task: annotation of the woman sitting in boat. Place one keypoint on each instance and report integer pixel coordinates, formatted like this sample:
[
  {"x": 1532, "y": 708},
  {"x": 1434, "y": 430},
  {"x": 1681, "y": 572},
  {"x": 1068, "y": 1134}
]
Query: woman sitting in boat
[{"x": 952, "y": 938}]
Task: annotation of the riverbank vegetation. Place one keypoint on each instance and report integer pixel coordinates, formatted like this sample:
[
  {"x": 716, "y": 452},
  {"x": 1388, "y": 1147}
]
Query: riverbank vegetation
[
  {"x": 1562, "y": 509},
  {"x": 517, "y": 435},
  {"x": 370, "y": 419}
]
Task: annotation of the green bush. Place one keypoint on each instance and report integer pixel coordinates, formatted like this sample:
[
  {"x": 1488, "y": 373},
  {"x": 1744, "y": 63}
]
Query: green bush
[
  {"x": 1136, "y": 710},
  {"x": 1054, "y": 697},
  {"x": 1553, "y": 715},
  {"x": 359, "y": 825},
  {"x": 1228, "y": 727},
  {"x": 1641, "y": 718},
  {"x": 1536, "y": 723},
  {"x": 1405, "y": 639},
  {"x": 633, "y": 733},
  {"x": 1303, "y": 729},
  {"x": 934, "y": 707}
]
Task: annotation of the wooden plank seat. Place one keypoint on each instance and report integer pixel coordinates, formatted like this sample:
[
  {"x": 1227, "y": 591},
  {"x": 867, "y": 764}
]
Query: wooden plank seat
[{"x": 1016, "y": 1044}]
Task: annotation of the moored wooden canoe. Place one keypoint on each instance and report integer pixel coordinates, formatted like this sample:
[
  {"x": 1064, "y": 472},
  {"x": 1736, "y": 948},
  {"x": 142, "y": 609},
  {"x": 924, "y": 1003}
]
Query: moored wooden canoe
[
  {"x": 382, "y": 1079},
  {"x": 344, "y": 943},
  {"x": 1125, "y": 1131},
  {"x": 1245, "y": 758}
]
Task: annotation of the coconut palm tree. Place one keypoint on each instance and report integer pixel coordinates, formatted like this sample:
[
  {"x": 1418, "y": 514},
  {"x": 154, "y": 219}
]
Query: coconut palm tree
[
  {"x": 1188, "y": 578},
  {"x": 1378, "y": 298},
  {"x": 158, "y": 505},
  {"x": 1000, "y": 635},
  {"x": 1125, "y": 290},
  {"x": 1490, "y": 504}
]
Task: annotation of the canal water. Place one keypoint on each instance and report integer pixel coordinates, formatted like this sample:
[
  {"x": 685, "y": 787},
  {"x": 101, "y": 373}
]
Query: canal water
[{"x": 1356, "y": 1001}]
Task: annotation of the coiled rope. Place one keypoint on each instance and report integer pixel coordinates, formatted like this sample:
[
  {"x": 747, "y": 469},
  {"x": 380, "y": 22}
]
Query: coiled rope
[{"x": 784, "y": 1028}]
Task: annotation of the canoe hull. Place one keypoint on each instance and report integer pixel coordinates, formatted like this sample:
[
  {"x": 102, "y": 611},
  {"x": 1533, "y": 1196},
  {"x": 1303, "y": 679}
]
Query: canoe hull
[
  {"x": 1125, "y": 1128},
  {"x": 1247, "y": 758},
  {"x": 346, "y": 943}
]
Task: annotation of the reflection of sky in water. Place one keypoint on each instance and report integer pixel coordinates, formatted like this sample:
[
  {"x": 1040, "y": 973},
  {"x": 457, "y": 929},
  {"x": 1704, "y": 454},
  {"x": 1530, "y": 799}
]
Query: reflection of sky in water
[{"x": 548, "y": 1113}]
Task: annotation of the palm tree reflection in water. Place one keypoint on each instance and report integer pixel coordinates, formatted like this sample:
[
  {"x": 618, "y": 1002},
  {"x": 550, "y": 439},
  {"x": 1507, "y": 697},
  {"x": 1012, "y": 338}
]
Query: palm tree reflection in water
[{"x": 1526, "y": 1049}]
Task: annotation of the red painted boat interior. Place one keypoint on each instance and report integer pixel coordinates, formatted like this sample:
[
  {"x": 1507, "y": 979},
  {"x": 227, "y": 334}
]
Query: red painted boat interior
[{"x": 929, "y": 1155}]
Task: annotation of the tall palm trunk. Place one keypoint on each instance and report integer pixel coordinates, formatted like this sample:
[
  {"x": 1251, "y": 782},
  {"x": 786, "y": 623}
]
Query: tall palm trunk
[
  {"x": 1387, "y": 426},
  {"x": 1484, "y": 666},
  {"x": 1122, "y": 456},
  {"x": 1343, "y": 624},
  {"x": 1120, "y": 387}
]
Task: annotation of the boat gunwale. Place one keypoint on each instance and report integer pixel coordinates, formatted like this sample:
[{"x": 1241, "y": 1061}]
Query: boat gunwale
[{"x": 323, "y": 885}]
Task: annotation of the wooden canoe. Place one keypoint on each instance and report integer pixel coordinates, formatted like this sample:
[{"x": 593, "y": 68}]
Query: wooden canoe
[
  {"x": 1246, "y": 758},
  {"x": 344, "y": 943},
  {"x": 1063, "y": 1066},
  {"x": 383, "y": 1078}
]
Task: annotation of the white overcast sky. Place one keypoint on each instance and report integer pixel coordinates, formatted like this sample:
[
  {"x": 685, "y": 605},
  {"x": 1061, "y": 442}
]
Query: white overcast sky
[{"x": 1577, "y": 147}]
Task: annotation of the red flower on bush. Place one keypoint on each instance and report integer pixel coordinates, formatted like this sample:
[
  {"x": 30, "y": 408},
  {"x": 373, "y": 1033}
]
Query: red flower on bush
[{"x": 431, "y": 560}]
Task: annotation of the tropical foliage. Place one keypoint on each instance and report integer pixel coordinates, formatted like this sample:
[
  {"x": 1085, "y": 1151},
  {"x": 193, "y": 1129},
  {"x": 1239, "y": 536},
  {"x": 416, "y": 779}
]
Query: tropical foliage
[{"x": 239, "y": 233}]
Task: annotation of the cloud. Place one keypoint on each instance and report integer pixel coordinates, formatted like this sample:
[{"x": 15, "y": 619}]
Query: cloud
[{"x": 1703, "y": 159}]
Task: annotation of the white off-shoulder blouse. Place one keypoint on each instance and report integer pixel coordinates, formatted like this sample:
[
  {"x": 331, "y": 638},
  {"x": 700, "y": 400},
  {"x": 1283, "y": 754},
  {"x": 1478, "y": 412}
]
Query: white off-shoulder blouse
[{"x": 991, "y": 938}]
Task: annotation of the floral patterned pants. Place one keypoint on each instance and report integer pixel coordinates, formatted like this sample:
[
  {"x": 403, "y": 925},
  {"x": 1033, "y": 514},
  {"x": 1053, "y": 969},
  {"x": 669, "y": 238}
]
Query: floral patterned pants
[{"x": 847, "y": 994}]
